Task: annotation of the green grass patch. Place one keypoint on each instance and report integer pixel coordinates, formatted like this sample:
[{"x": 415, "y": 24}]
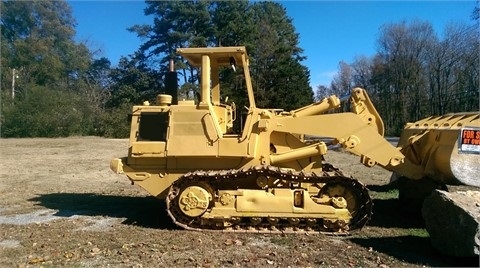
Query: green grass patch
[
  {"x": 419, "y": 232},
  {"x": 384, "y": 195}
]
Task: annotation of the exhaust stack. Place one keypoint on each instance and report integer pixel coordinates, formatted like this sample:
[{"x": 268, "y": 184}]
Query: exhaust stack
[{"x": 171, "y": 83}]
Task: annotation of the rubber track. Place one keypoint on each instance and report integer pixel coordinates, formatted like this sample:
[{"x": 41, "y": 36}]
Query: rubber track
[{"x": 328, "y": 175}]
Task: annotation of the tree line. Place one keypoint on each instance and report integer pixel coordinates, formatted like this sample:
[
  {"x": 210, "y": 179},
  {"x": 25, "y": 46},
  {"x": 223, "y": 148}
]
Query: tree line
[
  {"x": 415, "y": 73},
  {"x": 53, "y": 86}
]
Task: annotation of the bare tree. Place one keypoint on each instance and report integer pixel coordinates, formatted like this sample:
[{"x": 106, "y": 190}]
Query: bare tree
[
  {"x": 453, "y": 71},
  {"x": 405, "y": 47},
  {"x": 342, "y": 83},
  {"x": 362, "y": 71},
  {"x": 322, "y": 92},
  {"x": 415, "y": 74}
]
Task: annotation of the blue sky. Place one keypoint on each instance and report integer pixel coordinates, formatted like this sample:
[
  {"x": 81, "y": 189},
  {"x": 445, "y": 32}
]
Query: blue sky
[{"x": 330, "y": 31}]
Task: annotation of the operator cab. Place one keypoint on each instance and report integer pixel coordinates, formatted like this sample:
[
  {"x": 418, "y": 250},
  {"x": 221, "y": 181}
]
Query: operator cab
[
  {"x": 211, "y": 61},
  {"x": 169, "y": 129}
]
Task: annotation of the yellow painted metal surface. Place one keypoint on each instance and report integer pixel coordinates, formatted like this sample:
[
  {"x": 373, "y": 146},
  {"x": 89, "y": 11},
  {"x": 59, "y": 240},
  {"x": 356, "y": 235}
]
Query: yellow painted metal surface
[{"x": 434, "y": 146}]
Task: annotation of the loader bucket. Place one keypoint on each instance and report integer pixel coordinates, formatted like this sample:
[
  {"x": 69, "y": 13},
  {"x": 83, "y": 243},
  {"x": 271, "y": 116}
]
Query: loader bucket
[{"x": 447, "y": 148}]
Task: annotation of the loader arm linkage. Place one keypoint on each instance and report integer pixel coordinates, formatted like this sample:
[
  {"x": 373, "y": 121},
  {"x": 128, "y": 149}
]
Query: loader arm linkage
[{"x": 359, "y": 131}]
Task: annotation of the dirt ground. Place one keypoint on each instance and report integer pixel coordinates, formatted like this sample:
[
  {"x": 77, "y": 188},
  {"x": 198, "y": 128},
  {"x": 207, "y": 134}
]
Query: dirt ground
[{"x": 60, "y": 205}]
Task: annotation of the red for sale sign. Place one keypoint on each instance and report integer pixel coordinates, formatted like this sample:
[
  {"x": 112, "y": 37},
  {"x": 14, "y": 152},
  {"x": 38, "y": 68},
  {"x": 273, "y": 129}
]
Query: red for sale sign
[{"x": 469, "y": 140}]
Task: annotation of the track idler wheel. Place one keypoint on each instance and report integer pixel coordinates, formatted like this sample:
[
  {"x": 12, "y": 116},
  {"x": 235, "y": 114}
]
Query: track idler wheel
[
  {"x": 351, "y": 195},
  {"x": 342, "y": 196},
  {"x": 187, "y": 202},
  {"x": 194, "y": 201}
]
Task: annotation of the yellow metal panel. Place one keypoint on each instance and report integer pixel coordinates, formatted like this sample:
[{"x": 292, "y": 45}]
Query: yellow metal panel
[
  {"x": 260, "y": 201},
  {"x": 280, "y": 203},
  {"x": 215, "y": 84},
  {"x": 156, "y": 185},
  {"x": 187, "y": 124},
  {"x": 222, "y": 117},
  {"x": 146, "y": 148},
  {"x": 205, "y": 163},
  {"x": 185, "y": 145},
  {"x": 187, "y": 129},
  {"x": 116, "y": 165},
  {"x": 231, "y": 146}
]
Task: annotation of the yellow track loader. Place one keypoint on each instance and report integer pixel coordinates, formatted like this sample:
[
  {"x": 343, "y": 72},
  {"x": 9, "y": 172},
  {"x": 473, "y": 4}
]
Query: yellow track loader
[{"x": 266, "y": 177}]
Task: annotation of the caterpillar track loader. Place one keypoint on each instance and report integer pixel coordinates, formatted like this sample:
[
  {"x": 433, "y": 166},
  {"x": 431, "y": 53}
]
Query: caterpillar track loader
[{"x": 265, "y": 178}]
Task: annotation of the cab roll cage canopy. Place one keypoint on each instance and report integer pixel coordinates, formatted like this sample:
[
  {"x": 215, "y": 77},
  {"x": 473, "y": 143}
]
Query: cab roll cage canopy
[{"x": 210, "y": 60}]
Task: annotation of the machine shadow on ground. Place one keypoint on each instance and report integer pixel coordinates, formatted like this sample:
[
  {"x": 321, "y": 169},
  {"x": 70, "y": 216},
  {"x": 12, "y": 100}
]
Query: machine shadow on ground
[
  {"x": 147, "y": 212},
  {"x": 414, "y": 249},
  {"x": 389, "y": 212}
]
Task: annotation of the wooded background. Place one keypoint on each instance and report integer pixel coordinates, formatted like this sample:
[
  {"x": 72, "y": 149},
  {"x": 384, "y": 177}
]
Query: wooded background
[{"x": 53, "y": 86}]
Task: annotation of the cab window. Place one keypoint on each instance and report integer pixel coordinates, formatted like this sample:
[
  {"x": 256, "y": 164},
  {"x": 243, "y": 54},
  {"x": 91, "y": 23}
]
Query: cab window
[{"x": 153, "y": 127}]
